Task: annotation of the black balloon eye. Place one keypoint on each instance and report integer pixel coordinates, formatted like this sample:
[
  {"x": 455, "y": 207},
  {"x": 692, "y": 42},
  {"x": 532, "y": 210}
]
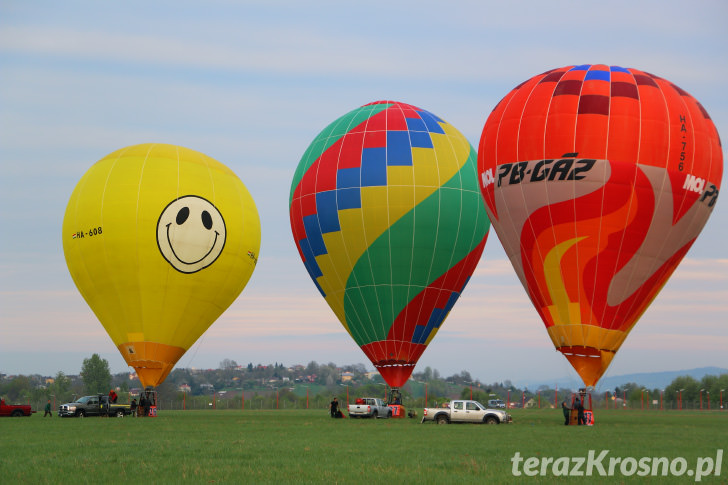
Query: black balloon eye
[
  {"x": 182, "y": 215},
  {"x": 206, "y": 220}
]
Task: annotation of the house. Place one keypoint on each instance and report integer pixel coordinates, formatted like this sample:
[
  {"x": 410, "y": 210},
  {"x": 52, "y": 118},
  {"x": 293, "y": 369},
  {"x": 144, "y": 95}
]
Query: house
[
  {"x": 346, "y": 376},
  {"x": 185, "y": 388}
]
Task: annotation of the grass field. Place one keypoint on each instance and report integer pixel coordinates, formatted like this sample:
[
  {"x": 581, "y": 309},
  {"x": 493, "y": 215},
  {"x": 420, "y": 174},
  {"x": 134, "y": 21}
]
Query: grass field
[{"x": 307, "y": 446}]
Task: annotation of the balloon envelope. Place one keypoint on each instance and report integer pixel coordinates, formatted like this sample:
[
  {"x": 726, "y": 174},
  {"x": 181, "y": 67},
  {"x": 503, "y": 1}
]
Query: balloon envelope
[
  {"x": 159, "y": 240},
  {"x": 388, "y": 219},
  {"x": 598, "y": 180}
]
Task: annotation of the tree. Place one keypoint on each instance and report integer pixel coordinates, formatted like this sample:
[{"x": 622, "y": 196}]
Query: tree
[
  {"x": 61, "y": 387},
  {"x": 17, "y": 388},
  {"x": 228, "y": 364},
  {"x": 96, "y": 375}
]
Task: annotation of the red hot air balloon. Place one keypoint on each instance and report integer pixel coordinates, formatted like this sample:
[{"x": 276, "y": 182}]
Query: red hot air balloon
[{"x": 597, "y": 180}]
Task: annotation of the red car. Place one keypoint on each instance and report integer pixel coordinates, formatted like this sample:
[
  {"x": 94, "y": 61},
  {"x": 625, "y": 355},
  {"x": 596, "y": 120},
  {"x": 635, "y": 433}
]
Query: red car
[{"x": 14, "y": 410}]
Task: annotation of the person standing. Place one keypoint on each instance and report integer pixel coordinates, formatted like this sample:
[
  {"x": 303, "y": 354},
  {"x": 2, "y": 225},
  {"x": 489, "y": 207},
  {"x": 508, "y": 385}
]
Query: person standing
[
  {"x": 566, "y": 410},
  {"x": 48, "y": 409},
  {"x": 334, "y": 408},
  {"x": 580, "y": 412}
]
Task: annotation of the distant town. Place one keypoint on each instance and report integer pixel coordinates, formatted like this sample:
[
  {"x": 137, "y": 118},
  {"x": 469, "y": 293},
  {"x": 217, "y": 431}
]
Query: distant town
[{"x": 277, "y": 386}]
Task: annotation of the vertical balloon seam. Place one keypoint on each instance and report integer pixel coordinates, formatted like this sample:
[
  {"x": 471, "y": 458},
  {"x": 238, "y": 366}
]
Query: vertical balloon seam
[
  {"x": 142, "y": 321},
  {"x": 335, "y": 135},
  {"x": 547, "y": 208},
  {"x": 390, "y": 223},
  {"x": 601, "y": 321},
  {"x": 344, "y": 286},
  {"x": 437, "y": 216},
  {"x": 526, "y": 262},
  {"x": 590, "y": 299},
  {"x": 586, "y": 326},
  {"x": 657, "y": 194},
  {"x": 503, "y": 218},
  {"x": 102, "y": 209},
  {"x": 367, "y": 253},
  {"x": 390, "y": 288},
  {"x": 474, "y": 239},
  {"x": 204, "y": 161},
  {"x": 169, "y": 271},
  {"x": 380, "y": 339},
  {"x": 664, "y": 270},
  {"x": 582, "y": 326},
  {"x": 112, "y": 282},
  {"x": 180, "y": 339},
  {"x": 442, "y": 187}
]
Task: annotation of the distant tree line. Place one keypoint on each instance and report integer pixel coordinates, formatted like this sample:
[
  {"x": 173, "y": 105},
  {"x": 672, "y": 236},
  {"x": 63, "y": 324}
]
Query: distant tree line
[{"x": 314, "y": 384}]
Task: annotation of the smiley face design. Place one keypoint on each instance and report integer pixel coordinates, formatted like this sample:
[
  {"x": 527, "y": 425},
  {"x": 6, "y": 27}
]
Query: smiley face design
[{"x": 190, "y": 233}]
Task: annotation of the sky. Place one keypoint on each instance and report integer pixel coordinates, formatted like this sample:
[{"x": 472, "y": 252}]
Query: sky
[{"x": 251, "y": 84}]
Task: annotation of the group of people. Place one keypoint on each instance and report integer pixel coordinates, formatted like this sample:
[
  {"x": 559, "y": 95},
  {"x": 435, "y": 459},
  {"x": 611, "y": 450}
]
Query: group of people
[
  {"x": 146, "y": 401},
  {"x": 578, "y": 406},
  {"x": 142, "y": 409}
]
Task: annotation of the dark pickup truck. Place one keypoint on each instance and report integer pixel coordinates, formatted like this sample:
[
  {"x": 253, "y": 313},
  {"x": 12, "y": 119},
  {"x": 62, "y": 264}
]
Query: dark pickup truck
[{"x": 97, "y": 405}]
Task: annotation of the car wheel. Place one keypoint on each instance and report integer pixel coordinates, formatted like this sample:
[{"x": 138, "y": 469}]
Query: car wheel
[
  {"x": 17, "y": 414},
  {"x": 81, "y": 414},
  {"x": 375, "y": 415},
  {"x": 491, "y": 420},
  {"x": 442, "y": 419},
  {"x": 120, "y": 413},
  {"x": 389, "y": 414}
]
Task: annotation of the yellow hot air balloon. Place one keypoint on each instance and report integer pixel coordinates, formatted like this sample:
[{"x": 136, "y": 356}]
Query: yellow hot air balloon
[{"x": 159, "y": 240}]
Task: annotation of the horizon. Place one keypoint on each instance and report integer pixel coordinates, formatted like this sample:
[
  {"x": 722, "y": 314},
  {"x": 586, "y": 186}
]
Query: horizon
[{"x": 251, "y": 86}]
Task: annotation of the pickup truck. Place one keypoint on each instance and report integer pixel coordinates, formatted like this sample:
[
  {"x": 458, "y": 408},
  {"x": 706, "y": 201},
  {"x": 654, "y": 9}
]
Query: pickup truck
[
  {"x": 369, "y": 407},
  {"x": 14, "y": 410},
  {"x": 97, "y": 405},
  {"x": 463, "y": 411}
]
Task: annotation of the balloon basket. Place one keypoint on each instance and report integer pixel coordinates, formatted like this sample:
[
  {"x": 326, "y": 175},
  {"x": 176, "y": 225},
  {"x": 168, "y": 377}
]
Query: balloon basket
[{"x": 398, "y": 411}]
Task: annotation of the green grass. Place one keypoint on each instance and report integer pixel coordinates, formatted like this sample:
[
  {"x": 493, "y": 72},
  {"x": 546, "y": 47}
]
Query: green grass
[{"x": 307, "y": 446}]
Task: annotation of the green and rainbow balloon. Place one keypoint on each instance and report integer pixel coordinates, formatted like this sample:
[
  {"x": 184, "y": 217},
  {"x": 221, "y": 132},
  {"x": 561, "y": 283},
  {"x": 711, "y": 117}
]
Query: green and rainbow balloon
[{"x": 389, "y": 221}]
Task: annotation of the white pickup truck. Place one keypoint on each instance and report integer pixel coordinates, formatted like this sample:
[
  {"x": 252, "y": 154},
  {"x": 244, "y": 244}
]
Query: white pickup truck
[
  {"x": 369, "y": 407},
  {"x": 462, "y": 411}
]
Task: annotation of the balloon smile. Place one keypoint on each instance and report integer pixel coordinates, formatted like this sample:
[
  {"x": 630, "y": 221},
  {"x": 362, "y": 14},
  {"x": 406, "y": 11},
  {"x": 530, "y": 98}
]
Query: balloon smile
[
  {"x": 171, "y": 246},
  {"x": 184, "y": 233}
]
